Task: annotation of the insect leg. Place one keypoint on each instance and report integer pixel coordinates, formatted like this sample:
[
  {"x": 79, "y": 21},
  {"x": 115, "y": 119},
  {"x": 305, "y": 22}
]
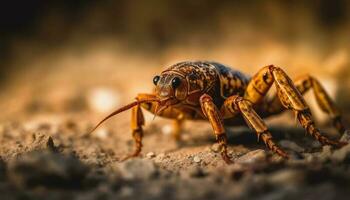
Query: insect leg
[
  {"x": 177, "y": 125},
  {"x": 213, "y": 114},
  {"x": 289, "y": 96},
  {"x": 236, "y": 104},
  {"x": 137, "y": 121},
  {"x": 304, "y": 84}
]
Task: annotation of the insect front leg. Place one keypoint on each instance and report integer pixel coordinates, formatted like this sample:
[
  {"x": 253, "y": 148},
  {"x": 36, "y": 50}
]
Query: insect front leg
[
  {"x": 177, "y": 126},
  {"x": 289, "y": 96},
  {"x": 137, "y": 121},
  {"x": 237, "y": 105},
  {"x": 212, "y": 113}
]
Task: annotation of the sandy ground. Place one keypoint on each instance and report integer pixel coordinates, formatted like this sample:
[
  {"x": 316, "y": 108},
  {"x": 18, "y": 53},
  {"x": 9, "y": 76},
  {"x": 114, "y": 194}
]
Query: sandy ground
[{"x": 51, "y": 157}]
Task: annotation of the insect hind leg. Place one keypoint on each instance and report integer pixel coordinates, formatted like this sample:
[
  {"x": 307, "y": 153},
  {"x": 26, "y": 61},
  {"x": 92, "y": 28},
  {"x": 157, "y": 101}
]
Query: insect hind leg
[
  {"x": 289, "y": 97},
  {"x": 304, "y": 84}
]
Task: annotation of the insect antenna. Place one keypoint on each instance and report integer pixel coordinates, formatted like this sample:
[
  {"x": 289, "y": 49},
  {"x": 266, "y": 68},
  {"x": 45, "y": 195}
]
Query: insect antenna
[{"x": 122, "y": 109}]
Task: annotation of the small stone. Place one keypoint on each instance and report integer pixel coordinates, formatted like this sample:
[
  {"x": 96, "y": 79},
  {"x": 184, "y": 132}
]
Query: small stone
[
  {"x": 253, "y": 156},
  {"x": 150, "y": 155},
  {"x": 197, "y": 159}
]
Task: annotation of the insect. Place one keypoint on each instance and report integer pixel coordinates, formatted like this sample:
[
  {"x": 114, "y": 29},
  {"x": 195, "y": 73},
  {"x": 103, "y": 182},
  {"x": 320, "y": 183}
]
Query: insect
[{"x": 202, "y": 90}]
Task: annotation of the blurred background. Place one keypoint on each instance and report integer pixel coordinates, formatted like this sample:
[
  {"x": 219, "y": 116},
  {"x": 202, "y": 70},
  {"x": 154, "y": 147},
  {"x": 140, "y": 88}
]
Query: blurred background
[{"x": 91, "y": 56}]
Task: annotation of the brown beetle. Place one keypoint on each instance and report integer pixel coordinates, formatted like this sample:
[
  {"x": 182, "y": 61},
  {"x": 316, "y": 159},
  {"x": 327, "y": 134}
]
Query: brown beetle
[{"x": 214, "y": 92}]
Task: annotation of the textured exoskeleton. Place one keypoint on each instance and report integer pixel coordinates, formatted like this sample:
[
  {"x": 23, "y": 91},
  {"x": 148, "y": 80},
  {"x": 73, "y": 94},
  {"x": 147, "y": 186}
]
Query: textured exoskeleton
[{"x": 223, "y": 96}]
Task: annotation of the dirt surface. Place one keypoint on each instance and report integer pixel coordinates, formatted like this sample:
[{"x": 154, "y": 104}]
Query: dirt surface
[{"x": 52, "y": 157}]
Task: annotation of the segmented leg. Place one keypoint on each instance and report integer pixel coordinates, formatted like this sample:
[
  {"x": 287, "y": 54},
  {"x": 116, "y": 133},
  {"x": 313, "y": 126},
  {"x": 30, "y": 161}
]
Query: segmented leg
[
  {"x": 289, "y": 97},
  {"x": 235, "y": 104},
  {"x": 212, "y": 113},
  {"x": 304, "y": 84},
  {"x": 177, "y": 125},
  {"x": 137, "y": 121}
]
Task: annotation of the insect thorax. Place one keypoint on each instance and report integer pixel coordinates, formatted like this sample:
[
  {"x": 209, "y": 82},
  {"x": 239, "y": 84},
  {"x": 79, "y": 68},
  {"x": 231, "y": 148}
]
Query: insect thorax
[
  {"x": 232, "y": 82},
  {"x": 210, "y": 77}
]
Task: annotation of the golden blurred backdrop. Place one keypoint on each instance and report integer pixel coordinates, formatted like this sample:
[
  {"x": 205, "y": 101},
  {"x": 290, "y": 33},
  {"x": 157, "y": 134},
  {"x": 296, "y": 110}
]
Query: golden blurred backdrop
[{"x": 77, "y": 56}]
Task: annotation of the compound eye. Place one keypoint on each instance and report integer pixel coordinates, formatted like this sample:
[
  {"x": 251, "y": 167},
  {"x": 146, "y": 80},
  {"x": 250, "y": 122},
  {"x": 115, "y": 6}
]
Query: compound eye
[
  {"x": 156, "y": 80},
  {"x": 175, "y": 82}
]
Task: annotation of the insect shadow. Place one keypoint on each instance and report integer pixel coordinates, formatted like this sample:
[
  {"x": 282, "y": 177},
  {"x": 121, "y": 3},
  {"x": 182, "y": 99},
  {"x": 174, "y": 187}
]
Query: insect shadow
[{"x": 245, "y": 136}]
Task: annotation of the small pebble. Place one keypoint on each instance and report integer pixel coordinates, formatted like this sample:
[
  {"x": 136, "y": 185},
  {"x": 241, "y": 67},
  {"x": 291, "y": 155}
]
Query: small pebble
[
  {"x": 197, "y": 159},
  {"x": 150, "y": 155}
]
